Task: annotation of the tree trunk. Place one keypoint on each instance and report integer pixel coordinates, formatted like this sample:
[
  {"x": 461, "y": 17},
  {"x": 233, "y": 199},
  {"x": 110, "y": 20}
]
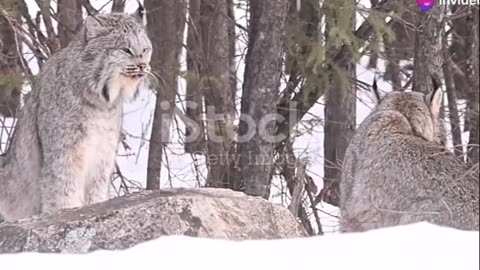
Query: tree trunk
[
  {"x": 69, "y": 20},
  {"x": 453, "y": 114},
  {"x": 118, "y": 6},
  {"x": 340, "y": 108},
  {"x": 302, "y": 37},
  {"x": 373, "y": 46},
  {"x": 232, "y": 39},
  {"x": 216, "y": 84},
  {"x": 428, "y": 58},
  {"x": 260, "y": 95},
  {"x": 10, "y": 78},
  {"x": 458, "y": 50},
  {"x": 194, "y": 131},
  {"x": 473, "y": 74},
  {"x": 401, "y": 47},
  {"x": 166, "y": 20}
]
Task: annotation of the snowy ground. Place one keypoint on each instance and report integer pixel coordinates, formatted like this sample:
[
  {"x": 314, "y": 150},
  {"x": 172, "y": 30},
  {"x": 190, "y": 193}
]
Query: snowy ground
[{"x": 420, "y": 246}]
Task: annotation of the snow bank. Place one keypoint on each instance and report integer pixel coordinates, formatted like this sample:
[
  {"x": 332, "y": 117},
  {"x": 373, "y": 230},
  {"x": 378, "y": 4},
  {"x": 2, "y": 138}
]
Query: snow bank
[{"x": 418, "y": 246}]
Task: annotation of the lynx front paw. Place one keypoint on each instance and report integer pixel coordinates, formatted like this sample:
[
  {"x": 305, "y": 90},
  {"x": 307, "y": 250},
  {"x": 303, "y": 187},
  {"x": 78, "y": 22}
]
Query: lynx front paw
[{"x": 52, "y": 206}]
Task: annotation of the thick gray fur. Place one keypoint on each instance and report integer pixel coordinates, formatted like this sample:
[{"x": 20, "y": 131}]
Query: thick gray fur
[
  {"x": 64, "y": 147},
  {"x": 397, "y": 171}
]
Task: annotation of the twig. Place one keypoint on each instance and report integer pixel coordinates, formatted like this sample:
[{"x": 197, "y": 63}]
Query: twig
[
  {"x": 315, "y": 213},
  {"x": 298, "y": 188}
]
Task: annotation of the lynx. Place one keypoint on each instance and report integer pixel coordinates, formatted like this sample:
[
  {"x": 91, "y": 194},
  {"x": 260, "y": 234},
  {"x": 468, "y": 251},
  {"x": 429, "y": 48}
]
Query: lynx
[
  {"x": 397, "y": 171},
  {"x": 63, "y": 151}
]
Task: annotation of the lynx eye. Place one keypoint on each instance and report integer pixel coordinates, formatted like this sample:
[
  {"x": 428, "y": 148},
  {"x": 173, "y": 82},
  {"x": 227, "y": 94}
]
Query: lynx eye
[
  {"x": 146, "y": 50},
  {"x": 127, "y": 51}
]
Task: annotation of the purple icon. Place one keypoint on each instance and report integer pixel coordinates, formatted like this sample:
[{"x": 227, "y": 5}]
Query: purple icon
[{"x": 425, "y": 5}]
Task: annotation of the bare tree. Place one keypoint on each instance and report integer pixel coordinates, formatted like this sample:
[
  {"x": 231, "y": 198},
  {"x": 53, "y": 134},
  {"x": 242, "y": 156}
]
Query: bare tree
[
  {"x": 340, "y": 109},
  {"x": 232, "y": 40},
  {"x": 472, "y": 74},
  {"x": 215, "y": 84},
  {"x": 303, "y": 38},
  {"x": 400, "y": 47},
  {"x": 69, "y": 20},
  {"x": 260, "y": 94},
  {"x": 428, "y": 58},
  {"x": 457, "y": 49},
  {"x": 11, "y": 78},
  {"x": 118, "y": 5},
  {"x": 194, "y": 96},
  {"x": 453, "y": 113},
  {"x": 166, "y": 20}
]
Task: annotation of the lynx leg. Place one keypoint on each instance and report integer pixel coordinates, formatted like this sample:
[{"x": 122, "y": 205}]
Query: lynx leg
[
  {"x": 98, "y": 187},
  {"x": 62, "y": 181},
  {"x": 98, "y": 191},
  {"x": 60, "y": 188}
]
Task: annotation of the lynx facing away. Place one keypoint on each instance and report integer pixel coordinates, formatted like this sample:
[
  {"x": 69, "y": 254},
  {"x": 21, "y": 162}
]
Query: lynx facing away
[
  {"x": 397, "y": 171},
  {"x": 64, "y": 147}
]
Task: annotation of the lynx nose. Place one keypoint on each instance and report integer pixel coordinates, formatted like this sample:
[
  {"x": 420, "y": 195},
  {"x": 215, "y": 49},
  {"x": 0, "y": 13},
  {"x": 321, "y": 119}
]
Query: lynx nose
[{"x": 143, "y": 67}]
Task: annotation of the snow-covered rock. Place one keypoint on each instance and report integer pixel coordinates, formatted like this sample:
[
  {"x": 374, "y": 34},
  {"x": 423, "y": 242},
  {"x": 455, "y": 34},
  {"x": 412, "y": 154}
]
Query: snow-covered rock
[{"x": 126, "y": 221}]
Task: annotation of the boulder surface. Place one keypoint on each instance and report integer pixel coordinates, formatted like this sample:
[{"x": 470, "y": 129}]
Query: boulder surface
[{"x": 125, "y": 221}]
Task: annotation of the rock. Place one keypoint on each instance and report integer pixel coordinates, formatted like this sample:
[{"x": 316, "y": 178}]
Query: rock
[{"x": 125, "y": 221}]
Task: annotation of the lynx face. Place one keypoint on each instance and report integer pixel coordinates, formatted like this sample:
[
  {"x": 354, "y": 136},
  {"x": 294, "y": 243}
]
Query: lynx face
[{"x": 117, "y": 45}]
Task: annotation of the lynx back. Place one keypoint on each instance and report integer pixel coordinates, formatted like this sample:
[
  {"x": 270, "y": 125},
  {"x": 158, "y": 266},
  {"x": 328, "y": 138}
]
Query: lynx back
[{"x": 397, "y": 171}]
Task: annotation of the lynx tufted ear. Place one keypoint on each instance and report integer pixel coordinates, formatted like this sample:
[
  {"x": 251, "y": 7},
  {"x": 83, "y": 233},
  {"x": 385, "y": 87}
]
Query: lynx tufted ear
[
  {"x": 93, "y": 28},
  {"x": 434, "y": 99},
  {"x": 140, "y": 14}
]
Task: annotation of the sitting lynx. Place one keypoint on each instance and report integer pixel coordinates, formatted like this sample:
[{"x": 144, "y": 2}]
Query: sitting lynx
[
  {"x": 64, "y": 147},
  {"x": 397, "y": 171}
]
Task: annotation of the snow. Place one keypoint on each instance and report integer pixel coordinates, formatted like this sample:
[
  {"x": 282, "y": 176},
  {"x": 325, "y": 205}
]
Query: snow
[{"x": 417, "y": 246}]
